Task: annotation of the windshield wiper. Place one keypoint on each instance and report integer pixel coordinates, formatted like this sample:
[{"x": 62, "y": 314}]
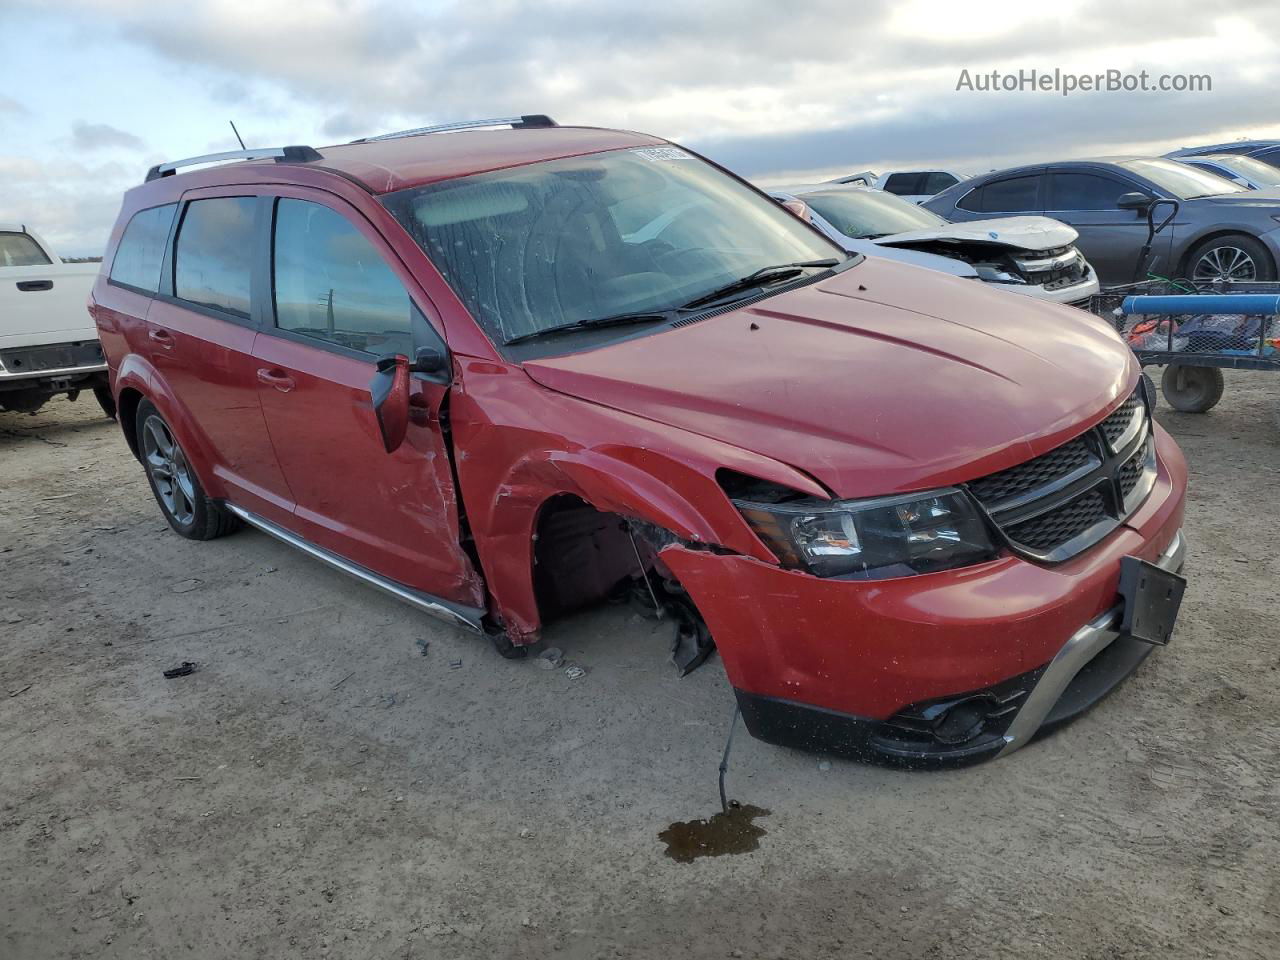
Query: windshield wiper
[
  {"x": 761, "y": 277},
  {"x": 616, "y": 319}
]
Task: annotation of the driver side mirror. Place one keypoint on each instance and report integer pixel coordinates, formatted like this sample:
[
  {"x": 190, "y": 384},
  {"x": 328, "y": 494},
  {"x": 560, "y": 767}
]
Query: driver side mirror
[
  {"x": 1134, "y": 201},
  {"x": 389, "y": 391}
]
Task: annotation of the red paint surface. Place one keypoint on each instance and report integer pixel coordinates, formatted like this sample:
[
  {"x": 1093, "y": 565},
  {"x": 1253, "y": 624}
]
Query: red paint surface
[{"x": 885, "y": 378}]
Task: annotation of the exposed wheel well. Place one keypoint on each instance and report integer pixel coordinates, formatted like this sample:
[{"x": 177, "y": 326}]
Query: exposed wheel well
[
  {"x": 580, "y": 555},
  {"x": 1185, "y": 266},
  {"x": 127, "y": 412}
]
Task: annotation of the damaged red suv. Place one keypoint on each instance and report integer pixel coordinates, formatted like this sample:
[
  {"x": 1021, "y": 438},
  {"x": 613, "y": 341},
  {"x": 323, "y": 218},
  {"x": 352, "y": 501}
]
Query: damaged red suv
[{"x": 504, "y": 373}]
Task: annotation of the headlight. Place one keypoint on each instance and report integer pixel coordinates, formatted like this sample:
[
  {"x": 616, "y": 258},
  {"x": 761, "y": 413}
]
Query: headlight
[{"x": 885, "y": 537}]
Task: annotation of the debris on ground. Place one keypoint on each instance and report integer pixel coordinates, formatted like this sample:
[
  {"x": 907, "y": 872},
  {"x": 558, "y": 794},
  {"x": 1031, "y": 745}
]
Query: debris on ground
[
  {"x": 184, "y": 669},
  {"x": 14, "y": 693},
  {"x": 456, "y": 663},
  {"x": 575, "y": 672},
  {"x": 343, "y": 680},
  {"x": 423, "y": 643},
  {"x": 186, "y": 586},
  {"x": 550, "y": 658}
]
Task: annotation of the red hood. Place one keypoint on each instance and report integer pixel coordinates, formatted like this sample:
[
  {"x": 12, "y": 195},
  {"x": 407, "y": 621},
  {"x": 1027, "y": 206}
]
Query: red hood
[{"x": 884, "y": 378}]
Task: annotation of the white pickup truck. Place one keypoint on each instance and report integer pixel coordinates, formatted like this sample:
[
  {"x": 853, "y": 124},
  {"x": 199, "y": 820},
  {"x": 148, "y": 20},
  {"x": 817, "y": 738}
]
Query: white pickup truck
[{"x": 48, "y": 342}]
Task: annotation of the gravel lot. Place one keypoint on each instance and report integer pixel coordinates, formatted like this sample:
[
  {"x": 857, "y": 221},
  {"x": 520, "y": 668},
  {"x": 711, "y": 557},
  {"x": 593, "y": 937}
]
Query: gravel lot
[{"x": 321, "y": 788}]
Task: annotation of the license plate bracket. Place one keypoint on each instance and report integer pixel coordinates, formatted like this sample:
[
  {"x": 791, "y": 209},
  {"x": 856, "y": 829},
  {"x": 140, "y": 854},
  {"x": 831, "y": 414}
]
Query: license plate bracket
[{"x": 1152, "y": 596}]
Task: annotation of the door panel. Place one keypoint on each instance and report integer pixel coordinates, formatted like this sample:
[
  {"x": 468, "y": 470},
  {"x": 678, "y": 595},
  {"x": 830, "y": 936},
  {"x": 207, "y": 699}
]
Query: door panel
[
  {"x": 341, "y": 299},
  {"x": 1110, "y": 238},
  {"x": 392, "y": 513},
  {"x": 208, "y": 364},
  {"x": 199, "y": 339}
]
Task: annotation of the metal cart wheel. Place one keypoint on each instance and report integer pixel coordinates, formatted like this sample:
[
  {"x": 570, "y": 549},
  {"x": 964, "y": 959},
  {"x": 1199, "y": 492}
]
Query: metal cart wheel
[{"x": 1192, "y": 389}]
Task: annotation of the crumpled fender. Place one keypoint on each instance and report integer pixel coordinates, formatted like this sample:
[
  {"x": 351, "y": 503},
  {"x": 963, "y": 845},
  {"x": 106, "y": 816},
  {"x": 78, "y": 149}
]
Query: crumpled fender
[{"x": 517, "y": 445}]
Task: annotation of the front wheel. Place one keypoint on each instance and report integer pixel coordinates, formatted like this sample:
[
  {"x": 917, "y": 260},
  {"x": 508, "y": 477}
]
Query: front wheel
[
  {"x": 1192, "y": 389},
  {"x": 182, "y": 500}
]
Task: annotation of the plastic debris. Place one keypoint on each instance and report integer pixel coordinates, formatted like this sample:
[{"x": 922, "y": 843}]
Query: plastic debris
[
  {"x": 575, "y": 672},
  {"x": 184, "y": 669}
]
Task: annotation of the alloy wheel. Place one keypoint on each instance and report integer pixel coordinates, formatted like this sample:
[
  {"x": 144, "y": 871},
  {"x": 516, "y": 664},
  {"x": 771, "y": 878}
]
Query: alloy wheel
[
  {"x": 169, "y": 470},
  {"x": 1225, "y": 263}
]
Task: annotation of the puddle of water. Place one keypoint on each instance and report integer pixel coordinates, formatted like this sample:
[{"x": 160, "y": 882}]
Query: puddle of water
[{"x": 731, "y": 831}]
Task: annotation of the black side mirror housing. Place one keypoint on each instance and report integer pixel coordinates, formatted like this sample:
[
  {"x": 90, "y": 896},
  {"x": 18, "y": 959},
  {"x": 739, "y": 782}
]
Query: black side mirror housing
[
  {"x": 432, "y": 363},
  {"x": 1134, "y": 201}
]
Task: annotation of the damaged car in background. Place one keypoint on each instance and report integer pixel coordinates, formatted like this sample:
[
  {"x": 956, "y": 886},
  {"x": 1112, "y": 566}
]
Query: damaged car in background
[
  {"x": 1033, "y": 256},
  {"x": 468, "y": 370}
]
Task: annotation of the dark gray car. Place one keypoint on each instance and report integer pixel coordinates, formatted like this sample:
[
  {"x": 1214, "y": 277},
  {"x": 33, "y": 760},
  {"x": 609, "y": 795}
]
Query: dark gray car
[{"x": 1222, "y": 230}]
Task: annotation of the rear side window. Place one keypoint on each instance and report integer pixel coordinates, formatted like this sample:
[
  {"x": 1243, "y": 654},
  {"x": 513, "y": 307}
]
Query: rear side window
[
  {"x": 141, "y": 250},
  {"x": 331, "y": 284},
  {"x": 905, "y": 184},
  {"x": 213, "y": 259},
  {"x": 1084, "y": 191},
  {"x": 1015, "y": 195},
  {"x": 19, "y": 250},
  {"x": 937, "y": 182}
]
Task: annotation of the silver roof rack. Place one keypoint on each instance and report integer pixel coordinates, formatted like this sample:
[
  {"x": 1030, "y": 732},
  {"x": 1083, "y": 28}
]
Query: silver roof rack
[
  {"x": 515, "y": 123},
  {"x": 297, "y": 154}
]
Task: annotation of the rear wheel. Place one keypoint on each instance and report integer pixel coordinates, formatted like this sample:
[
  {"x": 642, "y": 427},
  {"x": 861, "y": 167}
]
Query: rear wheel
[
  {"x": 1192, "y": 389},
  {"x": 1233, "y": 257},
  {"x": 174, "y": 483}
]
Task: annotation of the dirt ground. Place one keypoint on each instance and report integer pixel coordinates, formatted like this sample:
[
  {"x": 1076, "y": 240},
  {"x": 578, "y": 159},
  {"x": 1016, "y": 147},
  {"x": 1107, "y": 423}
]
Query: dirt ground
[{"x": 321, "y": 788}]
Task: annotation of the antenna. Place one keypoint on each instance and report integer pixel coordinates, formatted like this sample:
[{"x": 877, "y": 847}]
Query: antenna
[{"x": 237, "y": 133}]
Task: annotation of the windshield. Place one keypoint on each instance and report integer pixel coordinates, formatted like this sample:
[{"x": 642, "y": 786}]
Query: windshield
[
  {"x": 863, "y": 214},
  {"x": 1259, "y": 172},
  {"x": 626, "y": 231},
  {"x": 1182, "y": 181}
]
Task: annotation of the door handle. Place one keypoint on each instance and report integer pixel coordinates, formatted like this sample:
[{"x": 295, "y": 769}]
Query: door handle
[
  {"x": 162, "y": 337},
  {"x": 276, "y": 378},
  {"x": 34, "y": 286}
]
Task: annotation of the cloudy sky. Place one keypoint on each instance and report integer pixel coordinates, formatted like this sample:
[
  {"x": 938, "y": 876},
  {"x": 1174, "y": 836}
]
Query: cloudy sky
[{"x": 94, "y": 91}]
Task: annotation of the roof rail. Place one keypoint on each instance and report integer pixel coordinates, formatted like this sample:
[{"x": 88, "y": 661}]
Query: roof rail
[
  {"x": 295, "y": 154},
  {"x": 515, "y": 123}
]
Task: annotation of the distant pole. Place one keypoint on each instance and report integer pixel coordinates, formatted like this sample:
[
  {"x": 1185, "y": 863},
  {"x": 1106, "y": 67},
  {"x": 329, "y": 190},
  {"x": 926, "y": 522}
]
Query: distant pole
[{"x": 237, "y": 133}]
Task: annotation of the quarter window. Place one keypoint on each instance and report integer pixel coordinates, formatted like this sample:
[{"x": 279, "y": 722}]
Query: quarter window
[
  {"x": 1085, "y": 191},
  {"x": 19, "y": 250},
  {"x": 904, "y": 184},
  {"x": 141, "y": 250},
  {"x": 213, "y": 261},
  {"x": 331, "y": 284}
]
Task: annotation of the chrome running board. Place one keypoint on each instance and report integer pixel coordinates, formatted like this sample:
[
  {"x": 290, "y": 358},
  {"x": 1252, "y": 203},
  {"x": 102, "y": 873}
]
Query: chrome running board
[{"x": 456, "y": 613}]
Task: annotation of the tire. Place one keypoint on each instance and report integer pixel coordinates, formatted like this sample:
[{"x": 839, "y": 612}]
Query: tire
[
  {"x": 175, "y": 486},
  {"x": 1233, "y": 257},
  {"x": 1192, "y": 389},
  {"x": 106, "y": 401}
]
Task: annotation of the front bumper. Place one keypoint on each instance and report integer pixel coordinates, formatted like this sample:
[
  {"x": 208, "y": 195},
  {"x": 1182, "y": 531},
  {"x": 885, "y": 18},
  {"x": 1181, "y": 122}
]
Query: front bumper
[{"x": 840, "y": 666}]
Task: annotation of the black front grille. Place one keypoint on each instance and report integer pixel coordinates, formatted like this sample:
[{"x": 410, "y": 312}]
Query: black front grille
[
  {"x": 1116, "y": 423},
  {"x": 1045, "y": 469},
  {"x": 1062, "y": 525},
  {"x": 1131, "y": 473},
  {"x": 1062, "y": 502}
]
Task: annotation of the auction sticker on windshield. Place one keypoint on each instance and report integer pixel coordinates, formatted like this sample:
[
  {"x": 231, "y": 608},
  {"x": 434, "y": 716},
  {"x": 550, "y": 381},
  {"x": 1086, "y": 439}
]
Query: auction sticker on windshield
[{"x": 662, "y": 153}]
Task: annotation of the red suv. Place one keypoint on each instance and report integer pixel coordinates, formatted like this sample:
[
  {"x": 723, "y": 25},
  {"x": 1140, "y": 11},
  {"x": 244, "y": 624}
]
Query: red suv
[{"x": 504, "y": 373}]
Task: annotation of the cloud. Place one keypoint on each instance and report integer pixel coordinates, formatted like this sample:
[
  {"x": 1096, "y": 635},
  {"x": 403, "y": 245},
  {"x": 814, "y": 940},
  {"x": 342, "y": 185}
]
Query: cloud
[
  {"x": 9, "y": 105},
  {"x": 101, "y": 136}
]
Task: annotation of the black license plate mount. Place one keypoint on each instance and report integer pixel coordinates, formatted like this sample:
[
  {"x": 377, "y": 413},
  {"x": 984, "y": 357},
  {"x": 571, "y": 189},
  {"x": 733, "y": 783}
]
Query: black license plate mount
[{"x": 1152, "y": 597}]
